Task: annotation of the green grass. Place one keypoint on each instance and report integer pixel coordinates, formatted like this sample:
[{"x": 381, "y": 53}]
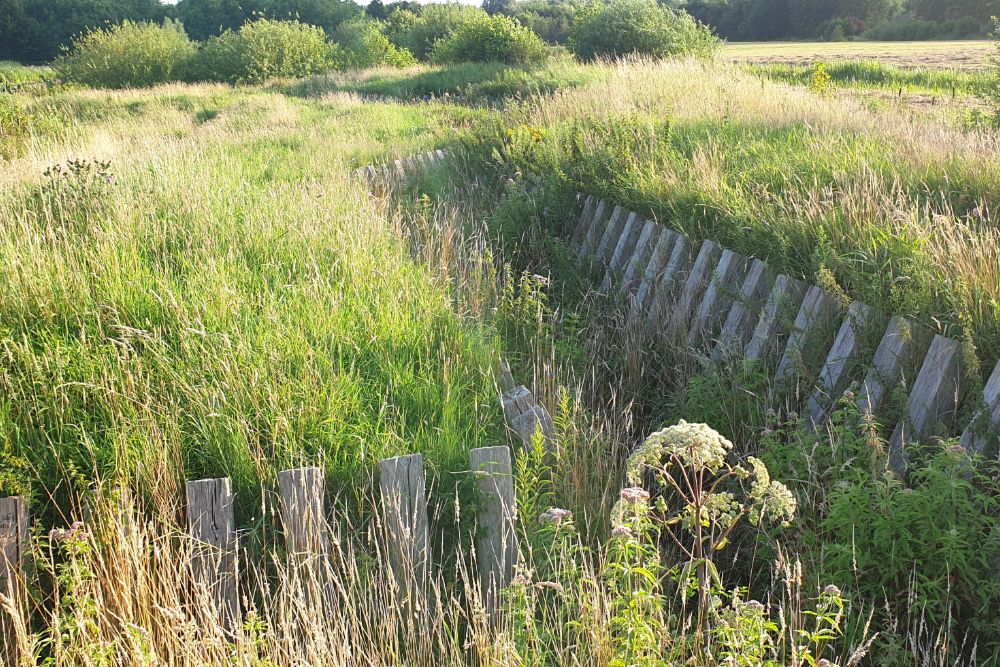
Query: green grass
[
  {"x": 875, "y": 74},
  {"x": 467, "y": 82},
  {"x": 14, "y": 74},
  {"x": 225, "y": 303}
]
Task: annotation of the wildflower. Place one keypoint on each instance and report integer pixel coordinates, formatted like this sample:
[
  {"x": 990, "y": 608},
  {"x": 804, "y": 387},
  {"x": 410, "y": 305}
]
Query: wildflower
[
  {"x": 554, "y": 515},
  {"x": 754, "y": 606},
  {"x": 849, "y": 395},
  {"x": 621, "y": 531},
  {"x": 823, "y": 662},
  {"x": 832, "y": 590},
  {"x": 695, "y": 445},
  {"x": 635, "y": 494}
]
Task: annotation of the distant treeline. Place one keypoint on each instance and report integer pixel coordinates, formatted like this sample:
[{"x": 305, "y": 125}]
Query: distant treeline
[{"x": 33, "y": 31}]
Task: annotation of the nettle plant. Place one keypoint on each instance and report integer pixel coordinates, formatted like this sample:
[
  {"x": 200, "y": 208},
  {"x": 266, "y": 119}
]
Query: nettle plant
[{"x": 704, "y": 497}]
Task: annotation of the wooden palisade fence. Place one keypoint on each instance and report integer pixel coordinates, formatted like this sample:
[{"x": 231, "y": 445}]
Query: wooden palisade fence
[
  {"x": 713, "y": 301},
  {"x": 211, "y": 525}
]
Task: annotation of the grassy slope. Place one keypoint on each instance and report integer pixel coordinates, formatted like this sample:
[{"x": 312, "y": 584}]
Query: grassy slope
[{"x": 230, "y": 303}]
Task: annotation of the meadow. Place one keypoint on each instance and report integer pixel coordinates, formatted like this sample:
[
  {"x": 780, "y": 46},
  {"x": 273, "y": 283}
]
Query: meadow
[{"x": 193, "y": 284}]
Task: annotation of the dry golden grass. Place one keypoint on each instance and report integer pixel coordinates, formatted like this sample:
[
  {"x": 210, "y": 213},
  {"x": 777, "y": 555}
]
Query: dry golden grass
[{"x": 967, "y": 54}]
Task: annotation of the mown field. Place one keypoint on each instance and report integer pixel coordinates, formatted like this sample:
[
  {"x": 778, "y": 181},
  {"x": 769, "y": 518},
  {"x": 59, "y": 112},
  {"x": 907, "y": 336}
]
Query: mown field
[
  {"x": 193, "y": 285},
  {"x": 969, "y": 54}
]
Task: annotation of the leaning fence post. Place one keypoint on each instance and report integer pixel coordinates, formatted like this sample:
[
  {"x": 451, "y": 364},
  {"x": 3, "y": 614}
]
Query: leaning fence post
[
  {"x": 214, "y": 557},
  {"x": 404, "y": 506},
  {"x": 303, "y": 518},
  {"x": 13, "y": 548},
  {"x": 496, "y": 541}
]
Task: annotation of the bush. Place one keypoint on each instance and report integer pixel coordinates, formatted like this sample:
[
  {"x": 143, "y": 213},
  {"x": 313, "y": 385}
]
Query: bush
[
  {"x": 360, "y": 44},
  {"x": 262, "y": 50},
  {"x": 491, "y": 39},
  {"x": 127, "y": 55},
  {"x": 420, "y": 33},
  {"x": 625, "y": 27}
]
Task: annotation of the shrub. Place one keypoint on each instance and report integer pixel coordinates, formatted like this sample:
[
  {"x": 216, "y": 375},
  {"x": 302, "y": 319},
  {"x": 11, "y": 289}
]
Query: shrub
[
  {"x": 262, "y": 50},
  {"x": 491, "y": 39},
  {"x": 127, "y": 55},
  {"x": 420, "y": 33},
  {"x": 625, "y": 27},
  {"x": 361, "y": 44}
]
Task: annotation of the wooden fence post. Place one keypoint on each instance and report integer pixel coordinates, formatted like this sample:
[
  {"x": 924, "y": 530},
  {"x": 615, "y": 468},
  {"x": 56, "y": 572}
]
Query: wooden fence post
[
  {"x": 14, "y": 547},
  {"x": 516, "y": 403},
  {"x": 718, "y": 298},
  {"x": 742, "y": 317},
  {"x": 496, "y": 540},
  {"x": 695, "y": 285},
  {"x": 612, "y": 232},
  {"x": 815, "y": 316},
  {"x": 594, "y": 232},
  {"x": 933, "y": 399},
  {"x": 303, "y": 516},
  {"x": 782, "y": 304},
  {"x": 985, "y": 425},
  {"x": 404, "y": 506},
  {"x": 654, "y": 269},
  {"x": 835, "y": 376},
  {"x": 532, "y": 420},
  {"x": 585, "y": 216},
  {"x": 214, "y": 556},
  {"x": 897, "y": 358},
  {"x": 622, "y": 250},
  {"x": 648, "y": 237},
  {"x": 662, "y": 292}
]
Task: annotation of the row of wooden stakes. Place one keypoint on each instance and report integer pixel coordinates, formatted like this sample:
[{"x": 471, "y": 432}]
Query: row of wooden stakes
[
  {"x": 717, "y": 302},
  {"x": 399, "y": 171}
]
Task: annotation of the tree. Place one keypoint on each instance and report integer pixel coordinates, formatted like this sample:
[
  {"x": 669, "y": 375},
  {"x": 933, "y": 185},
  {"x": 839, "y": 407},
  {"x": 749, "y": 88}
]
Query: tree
[
  {"x": 376, "y": 10},
  {"x": 493, "y": 7}
]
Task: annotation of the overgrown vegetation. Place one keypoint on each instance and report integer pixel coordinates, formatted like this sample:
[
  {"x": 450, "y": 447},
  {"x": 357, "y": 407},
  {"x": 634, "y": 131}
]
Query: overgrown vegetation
[{"x": 496, "y": 39}]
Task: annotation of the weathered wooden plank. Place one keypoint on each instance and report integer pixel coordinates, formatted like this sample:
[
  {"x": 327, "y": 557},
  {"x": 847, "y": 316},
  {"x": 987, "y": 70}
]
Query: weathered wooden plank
[
  {"x": 516, "y": 403},
  {"x": 528, "y": 423},
  {"x": 612, "y": 233},
  {"x": 594, "y": 232},
  {"x": 744, "y": 313},
  {"x": 404, "y": 506},
  {"x": 648, "y": 237},
  {"x": 303, "y": 517},
  {"x": 695, "y": 285},
  {"x": 985, "y": 426},
  {"x": 584, "y": 222},
  {"x": 897, "y": 359},
  {"x": 496, "y": 539},
  {"x": 816, "y": 316},
  {"x": 14, "y": 549},
  {"x": 624, "y": 248},
  {"x": 782, "y": 305},
  {"x": 673, "y": 276},
  {"x": 505, "y": 378},
  {"x": 718, "y": 298},
  {"x": 214, "y": 564},
  {"x": 654, "y": 269},
  {"x": 842, "y": 360},
  {"x": 933, "y": 401}
]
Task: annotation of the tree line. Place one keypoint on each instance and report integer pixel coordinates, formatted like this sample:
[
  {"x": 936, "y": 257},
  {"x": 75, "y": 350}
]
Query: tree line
[{"x": 34, "y": 31}]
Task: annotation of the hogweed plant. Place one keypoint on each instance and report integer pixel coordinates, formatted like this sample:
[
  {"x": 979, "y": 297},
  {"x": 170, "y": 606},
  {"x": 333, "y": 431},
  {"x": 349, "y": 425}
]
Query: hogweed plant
[{"x": 704, "y": 497}]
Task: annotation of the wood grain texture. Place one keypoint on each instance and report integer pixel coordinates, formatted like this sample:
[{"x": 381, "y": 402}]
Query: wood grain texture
[
  {"x": 741, "y": 320},
  {"x": 775, "y": 320},
  {"x": 980, "y": 436},
  {"x": 653, "y": 270},
  {"x": 303, "y": 516},
  {"x": 14, "y": 549},
  {"x": 594, "y": 232},
  {"x": 516, "y": 403},
  {"x": 612, "y": 233},
  {"x": 817, "y": 315},
  {"x": 841, "y": 363},
  {"x": 622, "y": 251},
  {"x": 718, "y": 298},
  {"x": 648, "y": 237},
  {"x": 933, "y": 401},
  {"x": 697, "y": 282},
  {"x": 496, "y": 538},
  {"x": 896, "y": 362},
  {"x": 534, "y": 418},
  {"x": 404, "y": 507},
  {"x": 584, "y": 222},
  {"x": 214, "y": 553}
]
